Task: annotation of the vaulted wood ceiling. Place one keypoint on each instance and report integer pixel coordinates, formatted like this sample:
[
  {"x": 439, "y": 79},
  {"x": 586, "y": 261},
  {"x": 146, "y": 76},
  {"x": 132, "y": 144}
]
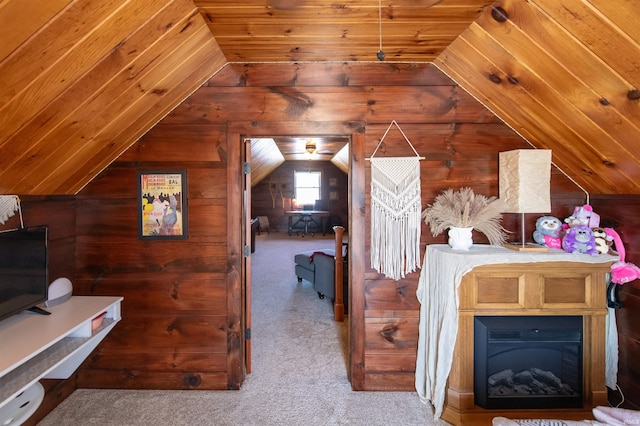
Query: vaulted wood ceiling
[
  {"x": 566, "y": 76},
  {"x": 83, "y": 80},
  {"x": 324, "y": 30}
]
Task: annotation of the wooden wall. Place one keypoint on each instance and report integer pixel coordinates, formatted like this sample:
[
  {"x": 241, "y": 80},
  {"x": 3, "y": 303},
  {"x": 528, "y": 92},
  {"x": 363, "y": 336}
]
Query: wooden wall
[
  {"x": 620, "y": 212},
  {"x": 175, "y": 324},
  {"x": 179, "y": 329},
  {"x": 263, "y": 204},
  {"x": 175, "y": 291},
  {"x": 461, "y": 153}
]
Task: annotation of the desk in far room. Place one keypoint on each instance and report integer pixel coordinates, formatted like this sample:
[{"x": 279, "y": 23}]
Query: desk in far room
[{"x": 304, "y": 220}]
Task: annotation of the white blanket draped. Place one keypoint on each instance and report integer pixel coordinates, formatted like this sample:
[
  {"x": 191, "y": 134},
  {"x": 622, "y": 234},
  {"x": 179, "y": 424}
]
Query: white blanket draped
[{"x": 442, "y": 271}]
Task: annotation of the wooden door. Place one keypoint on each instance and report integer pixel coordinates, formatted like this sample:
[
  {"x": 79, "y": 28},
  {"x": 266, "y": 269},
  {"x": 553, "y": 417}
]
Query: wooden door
[{"x": 247, "y": 256}]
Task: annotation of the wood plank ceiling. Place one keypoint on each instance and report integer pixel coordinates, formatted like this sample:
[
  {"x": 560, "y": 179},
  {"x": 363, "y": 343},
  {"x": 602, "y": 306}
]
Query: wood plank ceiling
[
  {"x": 324, "y": 30},
  {"x": 566, "y": 76},
  {"x": 83, "y": 80}
]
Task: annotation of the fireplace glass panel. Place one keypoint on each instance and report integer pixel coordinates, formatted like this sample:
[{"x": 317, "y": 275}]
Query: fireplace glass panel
[{"x": 528, "y": 362}]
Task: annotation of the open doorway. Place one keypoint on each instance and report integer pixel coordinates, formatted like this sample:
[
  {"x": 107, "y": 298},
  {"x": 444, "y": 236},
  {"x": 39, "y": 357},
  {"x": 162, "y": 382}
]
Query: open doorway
[
  {"x": 300, "y": 196},
  {"x": 237, "y": 132},
  {"x": 271, "y": 267}
]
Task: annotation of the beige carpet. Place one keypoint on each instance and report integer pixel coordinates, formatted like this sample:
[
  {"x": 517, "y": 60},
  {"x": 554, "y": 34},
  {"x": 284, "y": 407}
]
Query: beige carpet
[{"x": 299, "y": 372}]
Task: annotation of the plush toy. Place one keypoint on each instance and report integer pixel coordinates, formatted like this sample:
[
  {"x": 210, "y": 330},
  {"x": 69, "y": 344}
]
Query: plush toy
[
  {"x": 604, "y": 242},
  {"x": 579, "y": 239},
  {"x": 583, "y": 215},
  {"x": 548, "y": 232},
  {"x": 621, "y": 271}
]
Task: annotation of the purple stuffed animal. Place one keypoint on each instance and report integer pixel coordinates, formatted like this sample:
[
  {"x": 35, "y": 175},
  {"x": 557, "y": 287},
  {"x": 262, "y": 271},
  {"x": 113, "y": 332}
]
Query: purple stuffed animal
[{"x": 579, "y": 239}]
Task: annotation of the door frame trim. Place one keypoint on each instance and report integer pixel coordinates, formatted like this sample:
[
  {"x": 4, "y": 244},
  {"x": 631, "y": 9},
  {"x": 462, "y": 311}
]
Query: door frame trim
[{"x": 237, "y": 132}]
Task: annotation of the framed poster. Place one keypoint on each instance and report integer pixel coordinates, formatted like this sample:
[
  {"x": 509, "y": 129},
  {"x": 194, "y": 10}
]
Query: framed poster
[{"x": 162, "y": 208}]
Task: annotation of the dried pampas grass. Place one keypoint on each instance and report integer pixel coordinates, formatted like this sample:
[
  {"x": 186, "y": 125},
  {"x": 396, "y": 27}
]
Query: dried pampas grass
[{"x": 465, "y": 209}]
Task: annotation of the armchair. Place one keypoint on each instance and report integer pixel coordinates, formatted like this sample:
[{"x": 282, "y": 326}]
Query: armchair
[
  {"x": 306, "y": 265},
  {"x": 324, "y": 282},
  {"x": 327, "y": 273}
]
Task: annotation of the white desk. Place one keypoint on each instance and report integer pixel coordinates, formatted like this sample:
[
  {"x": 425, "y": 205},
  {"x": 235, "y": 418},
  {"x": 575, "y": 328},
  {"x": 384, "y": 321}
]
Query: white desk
[{"x": 51, "y": 346}]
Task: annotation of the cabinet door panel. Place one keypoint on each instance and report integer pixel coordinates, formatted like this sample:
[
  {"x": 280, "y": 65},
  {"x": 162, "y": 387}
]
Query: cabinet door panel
[{"x": 566, "y": 291}]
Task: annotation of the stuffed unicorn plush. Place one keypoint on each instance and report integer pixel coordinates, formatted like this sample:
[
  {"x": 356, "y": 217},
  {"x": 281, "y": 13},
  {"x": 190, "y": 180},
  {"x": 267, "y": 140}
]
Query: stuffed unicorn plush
[{"x": 585, "y": 216}]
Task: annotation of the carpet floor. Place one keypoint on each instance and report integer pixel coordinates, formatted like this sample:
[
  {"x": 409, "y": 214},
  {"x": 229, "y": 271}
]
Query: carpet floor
[{"x": 299, "y": 367}]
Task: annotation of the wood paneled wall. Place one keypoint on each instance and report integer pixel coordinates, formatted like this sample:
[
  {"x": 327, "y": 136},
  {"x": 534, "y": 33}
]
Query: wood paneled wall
[
  {"x": 620, "y": 212},
  {"x": 267, "y": 198},
  {"x": 175, "y": 329},
  {"x": 463, "y": 152}
]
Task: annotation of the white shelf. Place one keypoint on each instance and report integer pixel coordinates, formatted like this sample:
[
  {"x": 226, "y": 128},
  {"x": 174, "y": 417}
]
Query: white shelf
[{"x": 52, "y": 346}]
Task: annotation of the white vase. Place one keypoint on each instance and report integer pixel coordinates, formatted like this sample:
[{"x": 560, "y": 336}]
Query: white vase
[{"x": 460, "y": 238}]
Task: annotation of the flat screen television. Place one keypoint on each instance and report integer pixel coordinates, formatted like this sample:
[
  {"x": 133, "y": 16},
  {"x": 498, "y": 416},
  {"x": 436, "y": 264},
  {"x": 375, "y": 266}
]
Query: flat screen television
[{"x": 24, "y": 269}]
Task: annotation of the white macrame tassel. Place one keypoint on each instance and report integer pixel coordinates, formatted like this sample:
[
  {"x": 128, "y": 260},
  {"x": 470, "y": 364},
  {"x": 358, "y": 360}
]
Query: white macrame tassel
[
  {"x": 8, "y": 206},
  {"x": 396, "y": 214}
]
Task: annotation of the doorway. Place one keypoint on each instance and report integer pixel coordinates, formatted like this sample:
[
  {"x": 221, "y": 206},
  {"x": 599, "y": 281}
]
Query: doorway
[
  {"x": 277, "y": 194},
  {"x": 236, "y": 134}
]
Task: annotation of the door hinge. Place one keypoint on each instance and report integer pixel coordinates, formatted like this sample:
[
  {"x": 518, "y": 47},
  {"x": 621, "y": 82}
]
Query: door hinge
[
  {"x": 247, "y": 251},
  {"x": 247, "y": 334},
  {"x": 247, "y": 168}
]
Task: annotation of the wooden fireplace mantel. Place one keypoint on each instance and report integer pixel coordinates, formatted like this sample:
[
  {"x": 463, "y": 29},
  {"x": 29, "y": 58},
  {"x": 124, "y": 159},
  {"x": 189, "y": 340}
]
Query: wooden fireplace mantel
[
  {"x": 457, "y": 286},
  {"x": 546, "y": 288}
]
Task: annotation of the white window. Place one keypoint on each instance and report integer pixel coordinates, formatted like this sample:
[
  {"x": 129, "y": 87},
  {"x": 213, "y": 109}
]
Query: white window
[{"x": 307, "y": 186}]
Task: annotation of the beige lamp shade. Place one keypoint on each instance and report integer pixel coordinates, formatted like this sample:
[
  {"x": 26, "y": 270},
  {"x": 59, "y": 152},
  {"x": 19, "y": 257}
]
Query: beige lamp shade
[{"x": 525, "y": 180}]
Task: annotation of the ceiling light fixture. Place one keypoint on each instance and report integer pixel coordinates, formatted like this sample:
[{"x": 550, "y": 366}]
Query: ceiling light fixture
[{"x": 310, "y": 147}]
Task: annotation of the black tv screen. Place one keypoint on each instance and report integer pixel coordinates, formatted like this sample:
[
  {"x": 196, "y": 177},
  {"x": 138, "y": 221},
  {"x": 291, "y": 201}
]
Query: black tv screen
[{"x": 24, "y": 275}]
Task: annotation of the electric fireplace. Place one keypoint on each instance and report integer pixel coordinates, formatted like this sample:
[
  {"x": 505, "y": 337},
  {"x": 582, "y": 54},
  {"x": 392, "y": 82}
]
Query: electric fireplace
[{"x": 528, "y": 362}]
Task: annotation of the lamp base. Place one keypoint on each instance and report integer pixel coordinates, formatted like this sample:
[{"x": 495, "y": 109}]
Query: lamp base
[
  {"x": 526, "y": 247},
  {"x": 523, "y": 245}
]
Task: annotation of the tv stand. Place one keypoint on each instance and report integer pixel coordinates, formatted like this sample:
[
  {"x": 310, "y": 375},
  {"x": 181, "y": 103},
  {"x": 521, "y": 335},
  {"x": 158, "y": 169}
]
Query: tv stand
[
  {"x": 38, "y": 310},
  {"x": 52, "y": 346}
]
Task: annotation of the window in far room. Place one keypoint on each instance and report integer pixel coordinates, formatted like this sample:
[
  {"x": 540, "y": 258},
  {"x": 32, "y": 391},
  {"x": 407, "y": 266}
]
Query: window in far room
[{"x": 307, "y": 187}]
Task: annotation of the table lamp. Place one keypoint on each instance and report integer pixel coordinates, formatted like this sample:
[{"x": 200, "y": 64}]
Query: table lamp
[{"x": 525, "y": 187}]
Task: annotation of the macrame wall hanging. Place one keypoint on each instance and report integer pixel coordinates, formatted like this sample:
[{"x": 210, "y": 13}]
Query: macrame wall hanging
[
  {"x": 396, "y": 212},
  {"x": 9, "y": 204}
]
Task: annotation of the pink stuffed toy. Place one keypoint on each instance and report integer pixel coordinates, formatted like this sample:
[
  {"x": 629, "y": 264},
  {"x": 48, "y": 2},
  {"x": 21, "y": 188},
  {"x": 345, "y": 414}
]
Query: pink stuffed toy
[{"x": 621, "y": 272}]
